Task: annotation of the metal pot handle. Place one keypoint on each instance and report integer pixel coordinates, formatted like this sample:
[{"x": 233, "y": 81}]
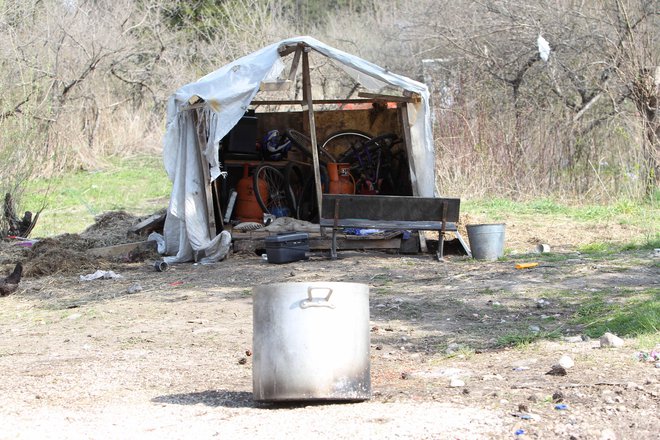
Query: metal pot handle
[{"x": 317, "y": 302}]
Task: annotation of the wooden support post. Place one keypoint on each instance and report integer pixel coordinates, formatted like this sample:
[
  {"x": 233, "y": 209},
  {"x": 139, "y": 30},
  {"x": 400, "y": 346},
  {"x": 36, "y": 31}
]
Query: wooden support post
[
  {"x": 407, "y": 141},
  {"x": 307, "y": 98},
  {"x": 200, "y": 126}
]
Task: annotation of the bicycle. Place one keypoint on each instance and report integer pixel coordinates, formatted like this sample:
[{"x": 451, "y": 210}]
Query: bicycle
[
  {"x": 303, "y": 143},
  {"x": 372, "y": 164}
]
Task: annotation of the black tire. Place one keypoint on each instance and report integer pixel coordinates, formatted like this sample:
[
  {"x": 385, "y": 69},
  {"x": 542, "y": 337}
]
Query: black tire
[{"x": 275, "y": 200}]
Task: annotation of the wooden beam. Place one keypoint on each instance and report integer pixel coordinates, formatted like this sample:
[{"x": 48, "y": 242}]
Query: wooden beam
[
  {"x": 204, "y": 165},
  {"x": 295, "y": 62},
  {"x": 315, "y": 101},
  {"x": 307, "y": 97},
  {"x": 391, "y": 98}
]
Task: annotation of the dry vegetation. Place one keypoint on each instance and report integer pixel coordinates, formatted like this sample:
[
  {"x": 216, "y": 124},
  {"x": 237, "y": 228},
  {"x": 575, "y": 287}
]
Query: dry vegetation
[{"x": 83, "y": 80}]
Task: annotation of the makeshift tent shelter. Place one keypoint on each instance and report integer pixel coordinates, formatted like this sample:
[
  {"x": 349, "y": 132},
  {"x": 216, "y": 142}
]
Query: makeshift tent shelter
[{"x": 224, "y": 96}]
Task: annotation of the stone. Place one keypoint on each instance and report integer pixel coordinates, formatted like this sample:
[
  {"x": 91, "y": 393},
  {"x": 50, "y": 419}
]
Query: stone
[
  {"x": 134, "y": 288},
  {"x": 573, "y": 339},
  {"x": 607, "y": 434},
  {"x": 566, "y": 362},
  {"x": 456, "y": 383},
  {"x": 611, "y": 340}
]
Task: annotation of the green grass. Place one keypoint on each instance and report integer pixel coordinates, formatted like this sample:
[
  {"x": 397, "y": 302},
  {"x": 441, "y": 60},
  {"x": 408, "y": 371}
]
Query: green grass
[
  {"x": 626, "y": 313},
  {"x": 138, "y": 185},
  {"x": 521, "y": 339},
  {"x": 623, "y": 211}
]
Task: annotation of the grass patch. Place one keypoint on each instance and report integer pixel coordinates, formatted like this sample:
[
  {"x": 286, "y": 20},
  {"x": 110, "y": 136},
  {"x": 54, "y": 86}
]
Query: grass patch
[
  {"x": 138, "y": 185},
  {"x": 642, "y": 214},
  {"x": 522, "y": 339},
  {"x": 635, "y": 315}
]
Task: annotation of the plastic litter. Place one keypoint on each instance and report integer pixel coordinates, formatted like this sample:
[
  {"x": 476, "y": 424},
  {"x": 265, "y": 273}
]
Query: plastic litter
[
  {"x": 100, "y": 275},
  {"x": 561, "y": 407},
  {"x": 519, "y": 431},
  {"x": 526, "y": 265}
]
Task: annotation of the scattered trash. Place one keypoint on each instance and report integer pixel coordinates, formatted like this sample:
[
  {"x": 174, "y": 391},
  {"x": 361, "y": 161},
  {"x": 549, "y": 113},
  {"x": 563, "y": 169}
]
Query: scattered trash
[
  {"x": 526, "y": 265},
  {"x": 134, "y": 288},
  {"x": 653, "y": 356},
  {"x": 176, "y": 283},
  {"x": 519, "y": 432},
  {"x": 161, "y": 266},
  {"x": 656, "y": 253},
  {"x": 610, "y": 340},
  {"x": 557, "y": 397},
  {"x": 248, "y": 352},
  {"x": 520, "y": 368},
  {"x": 100, "y": 275},
  {"x": 541, "y": 303},
  {"x": 242, "y": 361},
  {"x": 534, "y": 328},
  {"x": 542, "y": 248},
  {"x": 561, "y": 407},
  {"x": 566, "y": 362}
]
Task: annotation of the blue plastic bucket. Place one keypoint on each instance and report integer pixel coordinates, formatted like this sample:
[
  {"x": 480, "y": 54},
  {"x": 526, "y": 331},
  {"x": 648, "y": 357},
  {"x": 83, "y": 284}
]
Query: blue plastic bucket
[{"x": 486, "y": 241}]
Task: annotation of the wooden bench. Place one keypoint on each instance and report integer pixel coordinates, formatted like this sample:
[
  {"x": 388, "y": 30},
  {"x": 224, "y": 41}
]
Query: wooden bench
[{"x": 339, "y": 211}]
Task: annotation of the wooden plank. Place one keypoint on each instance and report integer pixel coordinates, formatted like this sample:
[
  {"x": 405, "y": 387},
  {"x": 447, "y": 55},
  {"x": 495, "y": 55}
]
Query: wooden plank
[
  {"x": 307, "y": 96},
  {"x": 149, "y": 224},
  {"x": 122, "y": 249},
  {"x": 204, "y": 165},
  {"x": 407, "y": 141},
  {"x": 295, "y": 62},
  {"x": 390, "y": 208},
  {"x": 324, "y": 244},
  {"x": 314, "y": 101},
  {"x": 422, "y": 242},
  {"x": 390, "y": 98},
  {"x": 388, "y": 224}
]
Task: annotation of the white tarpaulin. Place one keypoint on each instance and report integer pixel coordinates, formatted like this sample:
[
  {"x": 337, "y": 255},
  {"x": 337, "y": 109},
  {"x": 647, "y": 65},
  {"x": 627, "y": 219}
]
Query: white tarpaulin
[{"x": 227, "y": 94}]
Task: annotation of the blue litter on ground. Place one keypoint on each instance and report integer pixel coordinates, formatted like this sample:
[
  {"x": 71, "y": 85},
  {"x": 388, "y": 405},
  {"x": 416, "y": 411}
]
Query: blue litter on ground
[{"x": 561, "y": 406}]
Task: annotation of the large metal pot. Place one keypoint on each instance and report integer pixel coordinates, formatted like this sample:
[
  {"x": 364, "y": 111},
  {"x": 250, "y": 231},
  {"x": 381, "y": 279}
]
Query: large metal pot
[{"x": 311, "y": 342}]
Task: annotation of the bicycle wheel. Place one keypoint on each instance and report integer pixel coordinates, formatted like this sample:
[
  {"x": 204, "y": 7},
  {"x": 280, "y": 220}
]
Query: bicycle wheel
[
  {"x": 307, "y": 204},
  {"x": 303, "y": 144},
  {"x": 341, "y": 142},
  {"x": 293, "y": 176},
  {"x": 273, "y": 200}
]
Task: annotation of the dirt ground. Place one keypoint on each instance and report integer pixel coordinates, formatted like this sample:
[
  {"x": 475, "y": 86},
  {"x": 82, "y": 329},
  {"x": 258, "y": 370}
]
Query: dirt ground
[{"x": 163, "y": 354}]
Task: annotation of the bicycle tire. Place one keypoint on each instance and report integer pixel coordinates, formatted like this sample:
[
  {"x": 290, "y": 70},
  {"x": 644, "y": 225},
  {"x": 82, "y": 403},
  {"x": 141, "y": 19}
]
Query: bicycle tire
[
  {"x": 344, "y": 139},
  {"x": 293, "y": 176},
  {"x": 303, "y": 144},
  {"x": 274, "y": 201}
]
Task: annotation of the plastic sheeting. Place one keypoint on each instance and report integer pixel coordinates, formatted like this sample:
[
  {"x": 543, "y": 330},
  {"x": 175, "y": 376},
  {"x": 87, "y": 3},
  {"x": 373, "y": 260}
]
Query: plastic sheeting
[{"x": 227, "y": 94}]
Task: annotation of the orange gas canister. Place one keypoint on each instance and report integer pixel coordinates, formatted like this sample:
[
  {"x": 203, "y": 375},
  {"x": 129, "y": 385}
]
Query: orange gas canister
[
  {"x": 341, "y": 181},
  {"x": 247, "y": 208}
]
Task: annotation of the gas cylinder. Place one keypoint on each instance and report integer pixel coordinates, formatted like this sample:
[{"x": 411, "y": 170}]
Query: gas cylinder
[
  {"x": 341, "y": 180},
  {"x": 247, "y": 207}
]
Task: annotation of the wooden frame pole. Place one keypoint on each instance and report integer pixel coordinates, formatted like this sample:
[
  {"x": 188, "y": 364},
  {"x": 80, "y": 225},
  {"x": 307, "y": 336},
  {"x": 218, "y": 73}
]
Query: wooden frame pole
[{"x": 307, "y": 98}]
